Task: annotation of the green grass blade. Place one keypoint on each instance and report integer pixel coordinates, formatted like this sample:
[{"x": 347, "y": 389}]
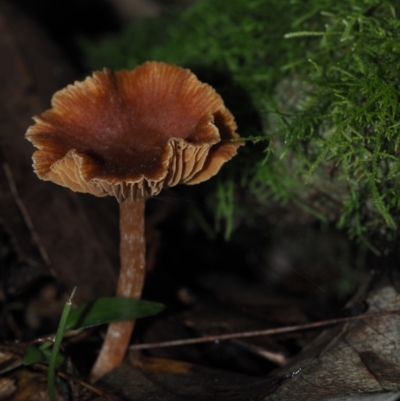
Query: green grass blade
[{"x": 56, "y": 347}]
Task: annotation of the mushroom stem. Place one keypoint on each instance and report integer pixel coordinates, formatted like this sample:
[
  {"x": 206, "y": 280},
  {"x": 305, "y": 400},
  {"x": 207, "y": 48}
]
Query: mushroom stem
[{"x": 130, "y": 284}]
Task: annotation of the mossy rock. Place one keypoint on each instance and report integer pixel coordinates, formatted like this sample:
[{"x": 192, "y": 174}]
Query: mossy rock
[{"x": 314, "y": 83}]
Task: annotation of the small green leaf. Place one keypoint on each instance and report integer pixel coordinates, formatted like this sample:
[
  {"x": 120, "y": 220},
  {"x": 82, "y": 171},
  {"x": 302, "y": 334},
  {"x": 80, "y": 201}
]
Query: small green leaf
[
  {"x": 34, "y": 354},
  {"x": 110, "y": 309},
  {"x": 41, "y": 354}
]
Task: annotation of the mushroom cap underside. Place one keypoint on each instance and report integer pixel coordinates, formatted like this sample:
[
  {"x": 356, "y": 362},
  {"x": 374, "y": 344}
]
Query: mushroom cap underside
[{"x": 132, "y": 133}]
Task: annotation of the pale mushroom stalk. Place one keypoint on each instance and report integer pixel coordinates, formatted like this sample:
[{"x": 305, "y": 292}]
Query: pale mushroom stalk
[{"x": 130, "y": 284}]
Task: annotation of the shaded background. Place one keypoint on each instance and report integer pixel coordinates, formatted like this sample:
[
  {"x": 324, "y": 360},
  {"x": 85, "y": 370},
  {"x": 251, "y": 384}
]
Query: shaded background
[
  {"x": 67, "y": 21},
  {"x": 264, "y": 276}
]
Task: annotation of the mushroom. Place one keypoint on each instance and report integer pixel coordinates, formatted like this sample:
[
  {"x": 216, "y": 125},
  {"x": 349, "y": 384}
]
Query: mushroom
[{"x": 130, "y": 134}]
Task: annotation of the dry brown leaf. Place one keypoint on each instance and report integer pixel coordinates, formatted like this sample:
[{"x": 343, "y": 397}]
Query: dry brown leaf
[
  {"x": 7, "y": 388},
  {"x": 353, "y": 361},
  {"x": 168, "y": 380}
]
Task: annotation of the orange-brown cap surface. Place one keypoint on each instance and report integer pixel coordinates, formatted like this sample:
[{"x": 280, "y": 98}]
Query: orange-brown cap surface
[{"x": 133, "y": 133}]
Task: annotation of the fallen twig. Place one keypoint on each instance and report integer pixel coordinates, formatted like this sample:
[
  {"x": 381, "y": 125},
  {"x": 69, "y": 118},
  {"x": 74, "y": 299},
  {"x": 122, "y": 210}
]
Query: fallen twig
[
  {"x": 267, "y": 332},
  {"x": 74, "y": 379},
  {"x": 35, "y": 237}
]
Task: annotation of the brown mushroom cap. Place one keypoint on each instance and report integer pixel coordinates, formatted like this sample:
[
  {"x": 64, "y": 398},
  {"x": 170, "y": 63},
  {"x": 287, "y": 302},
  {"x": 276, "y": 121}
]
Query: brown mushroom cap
[{"x": 133, "y": 133}]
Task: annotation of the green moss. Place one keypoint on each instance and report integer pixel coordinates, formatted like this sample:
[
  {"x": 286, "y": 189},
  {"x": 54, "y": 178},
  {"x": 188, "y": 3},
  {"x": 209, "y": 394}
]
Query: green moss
[{"x": 316, "y": 81}]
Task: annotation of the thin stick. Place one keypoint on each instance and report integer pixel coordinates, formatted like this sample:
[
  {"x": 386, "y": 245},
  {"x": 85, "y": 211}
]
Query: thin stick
[
  {"x": 130, "y": 284},
  {"x": 267, "y": 332},
  {"x": 25, "y": 214},
  {"x": 78, "y": 381}
]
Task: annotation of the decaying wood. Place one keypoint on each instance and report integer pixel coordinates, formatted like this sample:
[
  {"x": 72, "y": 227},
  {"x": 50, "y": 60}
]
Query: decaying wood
[{"x": 52, "y": 228}]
